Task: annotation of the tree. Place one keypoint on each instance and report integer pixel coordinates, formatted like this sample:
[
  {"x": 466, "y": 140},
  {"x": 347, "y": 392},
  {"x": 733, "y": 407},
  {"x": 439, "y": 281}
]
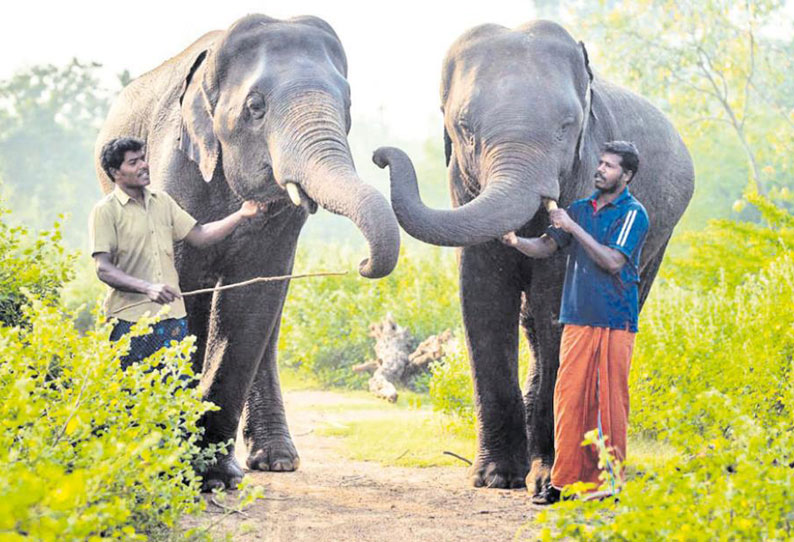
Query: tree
[
  {"x": 49, "y": 117},
  {"x": 712, "y": 65}
]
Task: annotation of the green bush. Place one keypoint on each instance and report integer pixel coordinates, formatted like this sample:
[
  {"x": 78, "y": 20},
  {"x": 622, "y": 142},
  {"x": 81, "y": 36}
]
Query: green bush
[
  {"x": 325, "y": 327},
  {"x": 88, "y": 451},
  {"x": 451, "y": 388},
  {"x": 37, "y": 263},
  {"x": 82, "y": 292},
  {"x": 711, "y": 376}
]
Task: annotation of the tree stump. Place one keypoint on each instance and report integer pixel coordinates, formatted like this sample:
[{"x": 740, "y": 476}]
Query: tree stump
[
  {"x": 392, "y": 347},
  {"x": 395, "y": 364}
]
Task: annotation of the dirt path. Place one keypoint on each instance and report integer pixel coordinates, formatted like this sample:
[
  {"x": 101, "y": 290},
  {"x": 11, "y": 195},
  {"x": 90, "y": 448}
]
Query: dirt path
[{"x": 331, "y": 498}]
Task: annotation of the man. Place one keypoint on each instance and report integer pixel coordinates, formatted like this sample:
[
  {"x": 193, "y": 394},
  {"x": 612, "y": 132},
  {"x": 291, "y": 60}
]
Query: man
[
  {"x": 132, "y": 231},
  {"x": 599, "y": 309}
]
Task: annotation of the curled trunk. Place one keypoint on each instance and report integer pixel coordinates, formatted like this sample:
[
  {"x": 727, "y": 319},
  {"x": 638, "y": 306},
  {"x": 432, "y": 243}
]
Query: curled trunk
[{"x": 505, "y": 205}]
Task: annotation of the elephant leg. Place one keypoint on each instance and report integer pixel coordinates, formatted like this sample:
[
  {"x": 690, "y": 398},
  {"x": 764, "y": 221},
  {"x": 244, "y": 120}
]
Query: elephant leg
[
  {"x": 265, "y": 430},
  {"x": 490, "y": 297},
  {"x": 242, "y": 322},
  {"x": 539, "y": 321}
]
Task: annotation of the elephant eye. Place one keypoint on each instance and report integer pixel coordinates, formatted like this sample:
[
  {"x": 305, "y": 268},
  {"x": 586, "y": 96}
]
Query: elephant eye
[
  {"x": 566, "y": 127},
  {"x": 256, "y": 105},
  {"x": 466, "y": 131}
]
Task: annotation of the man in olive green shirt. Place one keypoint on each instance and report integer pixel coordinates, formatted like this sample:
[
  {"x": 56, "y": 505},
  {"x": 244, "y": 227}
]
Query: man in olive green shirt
[{"x": 132, "y": 232}]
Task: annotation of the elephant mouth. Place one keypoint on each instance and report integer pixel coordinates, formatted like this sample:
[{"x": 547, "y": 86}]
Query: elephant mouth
[{"x": 300, "y": 198}]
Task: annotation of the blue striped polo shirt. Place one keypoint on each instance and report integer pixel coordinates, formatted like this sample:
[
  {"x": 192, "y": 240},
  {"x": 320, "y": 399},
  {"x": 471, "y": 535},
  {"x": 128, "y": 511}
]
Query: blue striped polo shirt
[{"x": 592, "y": 296}]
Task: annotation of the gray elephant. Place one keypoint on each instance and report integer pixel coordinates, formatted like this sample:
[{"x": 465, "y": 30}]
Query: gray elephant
[
  {"x": 260, "y": 111},
  {"x": 524, "y": 117}
]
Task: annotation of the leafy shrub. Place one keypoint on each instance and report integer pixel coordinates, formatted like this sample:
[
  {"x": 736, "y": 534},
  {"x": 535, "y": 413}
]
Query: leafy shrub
[
  {"x": 727, "y": 252},
  {"x": 451, "y": 388},
  {"x": 325, "y": 327},
  {"x": 36, "y": 263},
  {"x": 81, "y": 293},
  {"x": 89, "y": 451}
]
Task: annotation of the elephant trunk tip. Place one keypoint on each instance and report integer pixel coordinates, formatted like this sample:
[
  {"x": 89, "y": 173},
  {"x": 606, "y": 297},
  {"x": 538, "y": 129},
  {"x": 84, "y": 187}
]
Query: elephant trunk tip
[{"x": 385, "y": 156}]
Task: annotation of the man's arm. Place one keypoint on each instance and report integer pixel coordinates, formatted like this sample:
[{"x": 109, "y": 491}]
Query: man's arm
[
  {"x": 536, "y": 247},
  {"x": 607, "y": 258},
  {"x": 204, "y": 235},
  {"x": 118, "y": 279}
]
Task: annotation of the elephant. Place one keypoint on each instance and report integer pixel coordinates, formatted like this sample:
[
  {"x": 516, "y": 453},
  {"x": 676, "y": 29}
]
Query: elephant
[
  {"x": 260, "y": 111},
  {"x": 524, "y": 118}
]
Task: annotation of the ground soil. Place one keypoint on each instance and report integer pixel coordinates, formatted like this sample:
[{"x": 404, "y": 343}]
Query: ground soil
[{"x": 332, "y": 498}]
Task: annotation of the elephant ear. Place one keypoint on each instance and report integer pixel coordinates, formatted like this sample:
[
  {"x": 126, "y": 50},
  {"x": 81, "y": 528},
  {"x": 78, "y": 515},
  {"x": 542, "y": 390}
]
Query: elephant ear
[
  {"x": 197, "y": 101},
  {"x": 588, "y": 103}
]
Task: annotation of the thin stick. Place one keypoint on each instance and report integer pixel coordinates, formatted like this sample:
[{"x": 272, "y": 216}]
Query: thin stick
[
  {"x": 246, "y": 283},
  {"x": 263, "y": 279},
  {"x": 453, "y": 454},
  {"x": 228, "y": 509}
]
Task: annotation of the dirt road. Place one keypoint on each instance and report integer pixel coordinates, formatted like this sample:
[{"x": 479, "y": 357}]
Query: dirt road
[{"x": 332, "y": 498}]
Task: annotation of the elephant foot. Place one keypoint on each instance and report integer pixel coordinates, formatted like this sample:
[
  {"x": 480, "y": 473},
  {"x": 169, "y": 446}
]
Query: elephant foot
[
  {"x": 539, "y": 475},
  {"x": 225, "y": 474},
  {"x": 275, "y": 455},
  {"x": 498, "y": 474}
]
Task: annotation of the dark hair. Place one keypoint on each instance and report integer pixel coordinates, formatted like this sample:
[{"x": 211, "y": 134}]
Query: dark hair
[
  {"x": 629, "y": 155},
  {"x": 113, "y": 151}
]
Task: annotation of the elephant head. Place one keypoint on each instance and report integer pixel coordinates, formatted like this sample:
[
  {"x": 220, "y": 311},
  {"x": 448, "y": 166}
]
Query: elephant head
[
  {"x": 516, "y": 105},
  {"x": 267, "y": 107}
]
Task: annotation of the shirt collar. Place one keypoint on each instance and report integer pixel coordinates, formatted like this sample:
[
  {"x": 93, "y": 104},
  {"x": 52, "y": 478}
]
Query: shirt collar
[
  {"x": 617, "y": 201},
  {"x": 124, "y": 198}
]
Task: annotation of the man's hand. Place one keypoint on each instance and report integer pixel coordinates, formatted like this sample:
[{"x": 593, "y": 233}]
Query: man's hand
[
  {"x": 560, "y": 219},
  {"x": 510, "y": 239},
  {"x": 162, "y": 293},
  {"x": 249, "y": 208}
]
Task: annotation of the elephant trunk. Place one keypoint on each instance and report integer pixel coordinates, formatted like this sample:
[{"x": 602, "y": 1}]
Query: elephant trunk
[
  {"x": 311, "y": 151},
  {"x": 504, "y": 205}
]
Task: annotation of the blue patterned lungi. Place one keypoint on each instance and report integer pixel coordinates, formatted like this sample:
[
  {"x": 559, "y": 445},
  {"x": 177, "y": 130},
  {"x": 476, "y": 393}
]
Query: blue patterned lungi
[{"x": 163, "y": 333}]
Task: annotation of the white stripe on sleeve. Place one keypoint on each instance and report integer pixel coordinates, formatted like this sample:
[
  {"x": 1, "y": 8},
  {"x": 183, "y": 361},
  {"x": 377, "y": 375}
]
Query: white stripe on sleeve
[{"x": 624, "y": 233}]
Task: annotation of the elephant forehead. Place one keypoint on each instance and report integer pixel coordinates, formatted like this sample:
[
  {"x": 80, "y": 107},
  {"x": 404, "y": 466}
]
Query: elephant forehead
[{"x": 282, "y": 39}]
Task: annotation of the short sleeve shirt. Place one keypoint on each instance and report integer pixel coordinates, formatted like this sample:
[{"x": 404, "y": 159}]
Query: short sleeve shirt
[
  {"x": 140, "y": 241},
  {"x": 591, "y": 295}
]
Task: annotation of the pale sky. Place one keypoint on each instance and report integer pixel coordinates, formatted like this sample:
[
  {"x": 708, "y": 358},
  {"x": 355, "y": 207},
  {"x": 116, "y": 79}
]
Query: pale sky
[{"x": 394, "y": 49}]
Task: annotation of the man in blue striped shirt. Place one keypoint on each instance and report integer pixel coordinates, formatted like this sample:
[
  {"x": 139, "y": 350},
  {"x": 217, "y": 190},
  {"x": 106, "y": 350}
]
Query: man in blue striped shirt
[{"x": 603, "y": 234}]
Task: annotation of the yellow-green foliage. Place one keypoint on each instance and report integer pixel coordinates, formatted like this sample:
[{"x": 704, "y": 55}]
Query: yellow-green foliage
[
  {"x": 326, "y": 321},
  {"x": 89, "y": 452},
  {"x": 727, "y": 252},
  {"x": 451, "y": 388},
  {"x": 711, "y": 377},
  {"x": 36, "y": 263},
  {"x": 79, "y": 294}
]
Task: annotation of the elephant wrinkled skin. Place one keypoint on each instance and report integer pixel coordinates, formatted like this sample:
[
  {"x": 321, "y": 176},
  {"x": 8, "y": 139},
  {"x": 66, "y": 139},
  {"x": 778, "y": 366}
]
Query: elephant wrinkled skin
[
  {"x": 260, "y": 111},
  {"x": 524, "y": 119}
]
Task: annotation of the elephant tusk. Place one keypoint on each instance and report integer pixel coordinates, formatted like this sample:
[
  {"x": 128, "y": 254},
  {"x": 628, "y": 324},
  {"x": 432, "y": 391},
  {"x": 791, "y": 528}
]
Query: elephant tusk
[
  {"x": 549, "y": 204},
  {"x": 294, "y": 193}
]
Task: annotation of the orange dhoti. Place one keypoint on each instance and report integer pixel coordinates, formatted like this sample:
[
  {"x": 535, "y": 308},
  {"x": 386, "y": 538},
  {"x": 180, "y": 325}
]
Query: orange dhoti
[{"x": 593, "y": 376}]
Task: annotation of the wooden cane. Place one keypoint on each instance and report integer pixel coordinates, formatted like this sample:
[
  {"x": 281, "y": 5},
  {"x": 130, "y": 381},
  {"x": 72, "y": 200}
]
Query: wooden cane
[{"x": 245, "y": 283}]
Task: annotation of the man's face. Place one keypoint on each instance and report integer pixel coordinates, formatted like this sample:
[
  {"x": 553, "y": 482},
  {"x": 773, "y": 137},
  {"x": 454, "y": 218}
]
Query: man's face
[
  {"x": 610, "y": 175},
  {"x": 133, "y": 171}
]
